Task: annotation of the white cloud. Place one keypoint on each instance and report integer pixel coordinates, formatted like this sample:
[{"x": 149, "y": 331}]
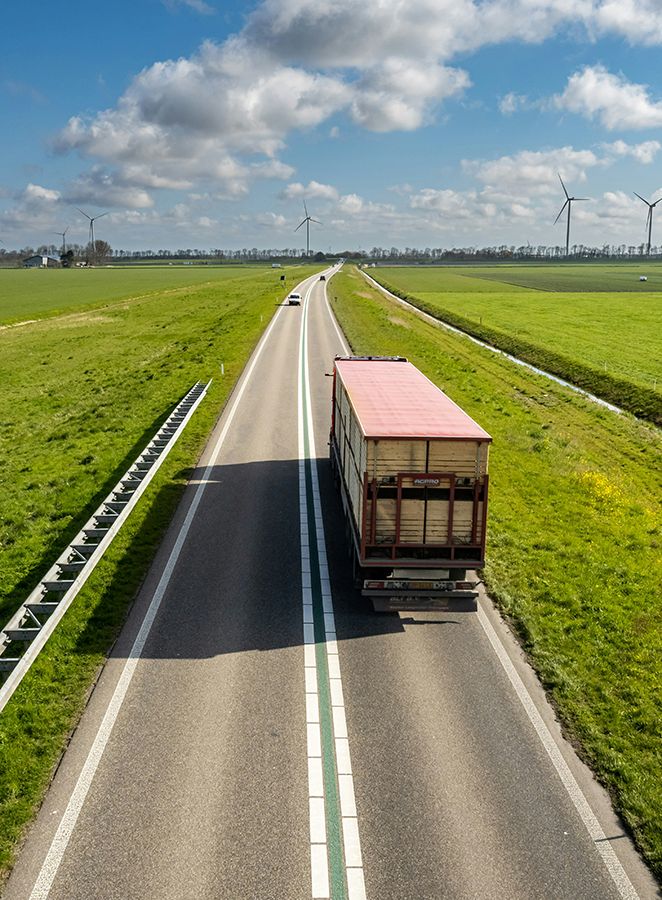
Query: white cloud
[
  {"x": 315, "y": 190},
  {"x": 529, "y": 173},
  {"x": 471, "y": 212},
  {"x": 617, "y": 103},
  {"x": 297, "y": 62},
  {"x": 640, "y": 21},
  {"x": 350, "y": 204},
  {"x": 512, "y": 102},
  {"x": 219, "y": 120},
  {"x": 399, "y": 93},
  {"x": 36, "y": 208},
  {"x": 271, "y": 221},
  {"x": 101, "y": 188},
  {"x": 401, "y": 189},
  {"x": 643, "y": 153}
]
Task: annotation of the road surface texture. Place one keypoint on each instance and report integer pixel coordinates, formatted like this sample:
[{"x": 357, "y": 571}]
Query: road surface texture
[{"x": 205, "y": 766}]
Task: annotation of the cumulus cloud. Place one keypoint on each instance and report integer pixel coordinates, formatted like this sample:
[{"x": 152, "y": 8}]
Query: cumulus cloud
[
  {"x": 222, "y": 117},
  {"x": 617, "y": 103},
  {"x": 530, "y": 173},
  {"x": 36, "y": 207},
  {"x": 399, "y": 94},
  {"x": 642, "y": 153},
  {"x": 99, "y": 187},
  {"x": 384, "y": 63},
  {"x": 315, "y": 190},
  {"x": 640, "y": 21}
]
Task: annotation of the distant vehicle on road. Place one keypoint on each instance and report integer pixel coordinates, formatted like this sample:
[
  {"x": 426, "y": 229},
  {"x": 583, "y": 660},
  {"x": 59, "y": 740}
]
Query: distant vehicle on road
[
  {"x": 294, "y": 300},
  {"x": 411, "y": 468},
  {"x": 322, "y": 277}
]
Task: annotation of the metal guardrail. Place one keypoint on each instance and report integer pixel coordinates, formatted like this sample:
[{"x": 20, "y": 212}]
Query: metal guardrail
[{"x": 36, "y": 619}]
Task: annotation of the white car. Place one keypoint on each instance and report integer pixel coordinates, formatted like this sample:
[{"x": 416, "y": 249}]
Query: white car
[{"x": 294, "y": 299}]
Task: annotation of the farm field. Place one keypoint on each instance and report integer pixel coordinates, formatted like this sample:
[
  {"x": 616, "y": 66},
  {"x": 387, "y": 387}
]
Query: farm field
[
  {"x": 101, "y": 381},
  {"x": 559, "y": 278},
  {"x": 574, "y": 537},
  {"x": 580, "y": 278},
  {"x": 33, "y": 293},
  {"x": 616, "y": 332}
]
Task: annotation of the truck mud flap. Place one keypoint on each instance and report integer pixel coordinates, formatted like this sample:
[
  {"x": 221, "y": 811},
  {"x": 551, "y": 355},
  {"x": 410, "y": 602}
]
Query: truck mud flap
[{"x": 464, "y": 603}]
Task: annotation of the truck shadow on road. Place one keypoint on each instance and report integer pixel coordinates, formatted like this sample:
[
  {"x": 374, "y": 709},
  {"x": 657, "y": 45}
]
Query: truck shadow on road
[{"x": 237, "y": 583}]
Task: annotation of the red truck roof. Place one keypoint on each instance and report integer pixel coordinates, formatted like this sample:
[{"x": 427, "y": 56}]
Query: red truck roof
[{"x": 392, "y": 399}]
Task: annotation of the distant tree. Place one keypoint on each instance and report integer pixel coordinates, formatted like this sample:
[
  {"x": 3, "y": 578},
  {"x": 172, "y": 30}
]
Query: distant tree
[
  {"x": 319, "y": 256},
  {"x": 68, "y": 260},
  {"x": 98, "y": 255}
]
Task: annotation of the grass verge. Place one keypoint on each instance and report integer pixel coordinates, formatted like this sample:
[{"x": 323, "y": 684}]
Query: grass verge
[
  {"x": 624, "y": 335},
  {"x": 574, "y": 536},
  {"x": 33, "y": 293},
  {"x": 103, "y": 385}
]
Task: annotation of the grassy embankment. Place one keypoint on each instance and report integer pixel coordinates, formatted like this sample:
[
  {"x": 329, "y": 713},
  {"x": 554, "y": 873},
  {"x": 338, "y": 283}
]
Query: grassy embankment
[
  {"x": 35, "y": 293},
  {"x": 608, "y": 343},
  {"x": 574, "y": 537},
  {"x": 83, "y": 393}
]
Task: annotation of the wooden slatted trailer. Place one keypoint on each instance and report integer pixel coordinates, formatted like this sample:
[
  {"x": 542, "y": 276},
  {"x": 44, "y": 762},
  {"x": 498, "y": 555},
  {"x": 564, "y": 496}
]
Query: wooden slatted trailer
[{"x": 411, "y": 467}]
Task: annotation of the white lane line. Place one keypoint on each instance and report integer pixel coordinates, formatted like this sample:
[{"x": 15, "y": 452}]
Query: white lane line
[
  {"x": 319, "y": 865},
  {"x": 602, "y": 845},
  {"x": 347, "y": 801},
  {"x": 349, "y": 824},
  {"x": 320, "y": 883},
  {"x": 316, "y": 779},
  {"x": 317, "y": 820},
  {"x": 59, "y": 844}
]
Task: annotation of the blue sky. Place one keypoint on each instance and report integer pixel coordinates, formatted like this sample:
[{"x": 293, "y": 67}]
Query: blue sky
[{"x": 427, "y": 123}]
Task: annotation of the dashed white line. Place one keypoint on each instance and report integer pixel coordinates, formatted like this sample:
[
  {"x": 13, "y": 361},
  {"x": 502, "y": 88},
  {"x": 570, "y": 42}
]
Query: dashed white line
[{"x": 349, "y": 824}]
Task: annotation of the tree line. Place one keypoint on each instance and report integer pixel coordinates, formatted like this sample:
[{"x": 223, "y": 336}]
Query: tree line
[
  {"x": 98, "y": 254},
  {"x": 102, "y": 254}
]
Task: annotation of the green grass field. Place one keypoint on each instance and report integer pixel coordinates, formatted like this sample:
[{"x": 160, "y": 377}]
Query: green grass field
[
  {"x": 574, "y": 537},
  {"x": 83, "y": 393},
  {"x": 617, "y": 334},
  {"x": 559, "y": 278},
  {"x": 33, "y": 293},
  {"x": 605, "y": 279}
]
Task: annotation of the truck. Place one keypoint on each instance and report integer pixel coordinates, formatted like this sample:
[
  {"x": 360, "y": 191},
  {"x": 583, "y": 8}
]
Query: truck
[{"x": 411, "y": 469}]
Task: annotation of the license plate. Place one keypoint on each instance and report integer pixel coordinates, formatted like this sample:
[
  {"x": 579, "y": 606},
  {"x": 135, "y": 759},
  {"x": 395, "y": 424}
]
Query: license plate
[
  {"x": 419, "y": 605},
  {"x": 422, "y": 585}
]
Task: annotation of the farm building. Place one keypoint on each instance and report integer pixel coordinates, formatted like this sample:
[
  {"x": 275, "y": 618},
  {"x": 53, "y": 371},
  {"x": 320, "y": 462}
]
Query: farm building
[{"x": 33, "y": 262}]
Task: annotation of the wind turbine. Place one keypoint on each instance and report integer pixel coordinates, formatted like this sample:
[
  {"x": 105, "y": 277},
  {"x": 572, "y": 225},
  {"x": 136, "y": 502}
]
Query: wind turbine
[
  {"x": 568, "y": 203},
  {"x": 307, "y": 222},
  {"x": 92, "y": 221},
  {"x": 62, "y": 233},
  {"x": 649, "y": 219}
]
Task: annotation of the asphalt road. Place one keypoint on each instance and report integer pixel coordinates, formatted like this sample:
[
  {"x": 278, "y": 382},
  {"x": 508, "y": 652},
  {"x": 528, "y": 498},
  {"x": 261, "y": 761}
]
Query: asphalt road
[{"x": 197, "y": 783}]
